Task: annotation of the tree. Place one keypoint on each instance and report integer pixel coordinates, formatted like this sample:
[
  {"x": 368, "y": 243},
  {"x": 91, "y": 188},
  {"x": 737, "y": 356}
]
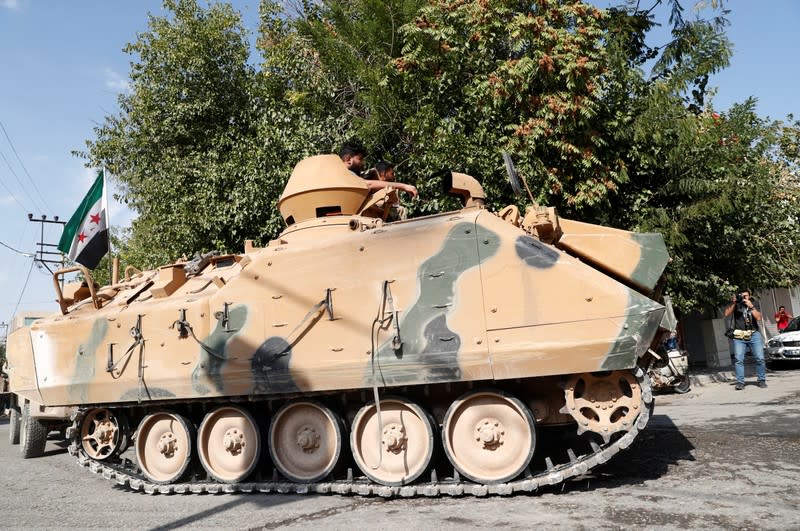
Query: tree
[
  {"x": 508, "y": 75},
  {"x": 181, "y": 143},
  {"x": 451, "y": 84},
  {"x": 725, "y": 203},
  {"x": 329, "y": 68},
  {"x": 204, "y": 142},
  {"x": 692, "y": 172}
]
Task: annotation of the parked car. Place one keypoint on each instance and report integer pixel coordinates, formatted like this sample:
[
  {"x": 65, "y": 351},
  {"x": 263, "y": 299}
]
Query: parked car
[{"x": 785, "y": 347}]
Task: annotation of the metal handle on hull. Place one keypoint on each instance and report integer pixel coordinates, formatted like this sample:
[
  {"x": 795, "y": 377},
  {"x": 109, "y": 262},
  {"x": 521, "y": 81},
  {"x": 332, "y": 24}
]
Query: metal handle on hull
[{"x": 65, "y": 303}]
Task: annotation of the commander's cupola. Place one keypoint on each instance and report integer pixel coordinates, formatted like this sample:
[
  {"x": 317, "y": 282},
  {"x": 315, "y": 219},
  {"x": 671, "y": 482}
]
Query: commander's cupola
[{"x": 321, "y": 186}]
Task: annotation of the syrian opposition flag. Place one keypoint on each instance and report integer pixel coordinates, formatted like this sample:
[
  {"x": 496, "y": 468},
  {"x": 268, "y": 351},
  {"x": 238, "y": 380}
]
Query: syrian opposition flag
[{"x": 85, "y": 238}]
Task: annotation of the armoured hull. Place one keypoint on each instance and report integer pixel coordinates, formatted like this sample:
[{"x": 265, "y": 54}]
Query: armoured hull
[
  {"x": 468, "y": 330},
  {"x": 475, "y": 299}
]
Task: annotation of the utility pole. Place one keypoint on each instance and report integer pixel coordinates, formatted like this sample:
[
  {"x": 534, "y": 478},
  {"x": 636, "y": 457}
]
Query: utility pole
[
  {"x": 5, "y": 335},
  {"x": 42, "y": 256}
]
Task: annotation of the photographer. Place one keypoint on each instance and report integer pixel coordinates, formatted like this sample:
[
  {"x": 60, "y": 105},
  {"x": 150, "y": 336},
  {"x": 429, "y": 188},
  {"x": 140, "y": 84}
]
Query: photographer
[{"x": 746, "y": 316}]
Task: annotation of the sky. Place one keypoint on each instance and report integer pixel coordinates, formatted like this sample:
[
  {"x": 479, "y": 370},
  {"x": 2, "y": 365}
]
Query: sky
[{"x": 62, "y": 68}]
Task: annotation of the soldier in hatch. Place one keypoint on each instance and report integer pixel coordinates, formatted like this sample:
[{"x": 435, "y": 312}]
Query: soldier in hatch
[{"x": 353, "y": 154}]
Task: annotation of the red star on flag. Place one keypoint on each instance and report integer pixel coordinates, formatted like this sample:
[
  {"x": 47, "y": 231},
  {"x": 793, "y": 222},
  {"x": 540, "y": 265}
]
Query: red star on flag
[
  {"x": 95, "y": 218},
  {"x": 81, "y": 237}
]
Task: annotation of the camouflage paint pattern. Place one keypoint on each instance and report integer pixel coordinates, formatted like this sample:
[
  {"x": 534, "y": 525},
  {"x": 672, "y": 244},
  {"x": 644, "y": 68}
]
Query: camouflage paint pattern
[
  {"x": 476, "y": 298},
  {"x": 430, "y": 349}
]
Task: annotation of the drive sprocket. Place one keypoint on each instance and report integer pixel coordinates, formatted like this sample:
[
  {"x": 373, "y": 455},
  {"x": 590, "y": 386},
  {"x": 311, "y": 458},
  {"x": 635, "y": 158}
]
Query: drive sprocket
[{"x": 603, "y": 403}]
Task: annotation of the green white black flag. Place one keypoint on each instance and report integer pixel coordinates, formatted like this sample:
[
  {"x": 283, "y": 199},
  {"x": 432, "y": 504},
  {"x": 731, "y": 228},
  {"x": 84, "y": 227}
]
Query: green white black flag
[{"x": 85, "y": 238}]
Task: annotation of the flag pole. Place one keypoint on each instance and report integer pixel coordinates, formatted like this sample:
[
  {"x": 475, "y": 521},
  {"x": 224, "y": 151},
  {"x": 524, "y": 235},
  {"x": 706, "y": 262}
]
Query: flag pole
[{"x": 108, "y": 223}]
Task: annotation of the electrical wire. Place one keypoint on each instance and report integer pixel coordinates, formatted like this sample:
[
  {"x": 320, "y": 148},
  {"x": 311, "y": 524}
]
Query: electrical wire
[
  {"x": 14, "y": 197},
  {"x": 16, "y": 251},
  {"x": 10, "y": 143},
  {"x": 35, "y": 204},
  {"x": 24, "y": 287}
]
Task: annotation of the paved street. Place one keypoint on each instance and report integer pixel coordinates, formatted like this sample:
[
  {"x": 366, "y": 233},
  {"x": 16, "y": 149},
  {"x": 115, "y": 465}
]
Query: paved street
[{"x": 715, "y": 458}]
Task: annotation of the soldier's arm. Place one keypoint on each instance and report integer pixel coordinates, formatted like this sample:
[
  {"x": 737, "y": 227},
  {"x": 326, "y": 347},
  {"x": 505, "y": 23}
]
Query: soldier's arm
[{"x": 377, "y": 185}]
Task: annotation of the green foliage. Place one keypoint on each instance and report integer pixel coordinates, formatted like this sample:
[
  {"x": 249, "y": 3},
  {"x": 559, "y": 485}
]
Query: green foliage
[
  {"x": 182, "y": 144},
  {"x": 506, "y": 75},
  {"x": 330, "y": 72},
  {"x": 204, "y": 141},
  {"x": 716, "y": 186},
  {"x": 724, "y": 202}
]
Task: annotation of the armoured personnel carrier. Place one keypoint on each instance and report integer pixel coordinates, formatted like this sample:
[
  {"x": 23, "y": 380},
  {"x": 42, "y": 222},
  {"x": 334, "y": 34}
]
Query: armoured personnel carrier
[{"x": 462, "y": 353}]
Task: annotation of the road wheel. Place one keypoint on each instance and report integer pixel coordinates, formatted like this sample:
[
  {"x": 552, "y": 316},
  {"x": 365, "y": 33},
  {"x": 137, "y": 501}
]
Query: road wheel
[
  {"x": 394, "y": 447},
  {"x": 164, "y": 446},
  {"x": 305, "y": 441},
  {"x": 13, "y": 425},
  {"x": 33, "y": 434},
  {"x": 229, "y": 444},
  {"x": 489, "y": 436}
]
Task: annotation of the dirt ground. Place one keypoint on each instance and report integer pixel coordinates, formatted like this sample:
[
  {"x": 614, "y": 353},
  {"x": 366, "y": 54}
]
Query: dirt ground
[{"x": 714, "y": 458}]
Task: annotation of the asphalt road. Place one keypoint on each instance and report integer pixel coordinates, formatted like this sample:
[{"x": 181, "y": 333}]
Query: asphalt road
[{"x": 715, "y": 458}]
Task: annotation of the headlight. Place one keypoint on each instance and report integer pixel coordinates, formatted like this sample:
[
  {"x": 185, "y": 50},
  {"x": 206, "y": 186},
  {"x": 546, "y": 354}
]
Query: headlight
[{"x": 774, "y": 343}]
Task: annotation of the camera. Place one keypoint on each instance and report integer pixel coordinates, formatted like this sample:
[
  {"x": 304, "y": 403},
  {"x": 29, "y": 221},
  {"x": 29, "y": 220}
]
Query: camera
[{"x": 739, "y": 298}]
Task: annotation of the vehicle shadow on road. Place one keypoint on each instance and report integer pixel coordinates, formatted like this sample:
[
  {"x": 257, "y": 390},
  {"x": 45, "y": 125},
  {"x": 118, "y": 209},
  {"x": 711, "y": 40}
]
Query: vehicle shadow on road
[
  {"x": 235, "y": 501},
  {"x": 217, "y": 504},
  {"x": 658, "y": 447},
  {"x": 56, "y": 447}
]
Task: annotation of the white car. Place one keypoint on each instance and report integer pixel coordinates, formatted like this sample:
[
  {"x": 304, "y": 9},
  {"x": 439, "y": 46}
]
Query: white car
[{"x": 785, "y": 347}]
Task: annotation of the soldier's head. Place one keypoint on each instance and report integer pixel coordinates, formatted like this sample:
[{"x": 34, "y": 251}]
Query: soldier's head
[
  {"x": 385, "y": 171},
  {"x": 353, "y": 154}
]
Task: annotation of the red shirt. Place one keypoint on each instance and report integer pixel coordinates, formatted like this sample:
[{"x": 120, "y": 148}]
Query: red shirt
[{"x": 782, "y": 319}]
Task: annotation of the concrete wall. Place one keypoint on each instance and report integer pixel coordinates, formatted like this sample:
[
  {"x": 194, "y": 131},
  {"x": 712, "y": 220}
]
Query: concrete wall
[
  {"x": 691, "y": 333},
  {"x": 717, "y": 346}
]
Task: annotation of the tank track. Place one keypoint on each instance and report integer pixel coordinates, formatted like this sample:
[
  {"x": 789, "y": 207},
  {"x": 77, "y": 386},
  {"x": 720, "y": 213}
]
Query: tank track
[{"x": 126, "y": 474}]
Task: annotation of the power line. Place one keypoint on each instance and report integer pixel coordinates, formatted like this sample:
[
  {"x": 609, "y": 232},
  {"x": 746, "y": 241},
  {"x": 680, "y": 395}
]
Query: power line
[
  {"x": 14, "y": 197},
  {"x": 10, "y": 143},
  {"x": 16, "y": 251},
  {"x": 23, "y": 288},
  {"x": 20, "y": 182}
]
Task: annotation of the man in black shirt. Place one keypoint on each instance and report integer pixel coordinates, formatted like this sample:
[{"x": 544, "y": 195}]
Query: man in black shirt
[{"x": 746, "y": 316}]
